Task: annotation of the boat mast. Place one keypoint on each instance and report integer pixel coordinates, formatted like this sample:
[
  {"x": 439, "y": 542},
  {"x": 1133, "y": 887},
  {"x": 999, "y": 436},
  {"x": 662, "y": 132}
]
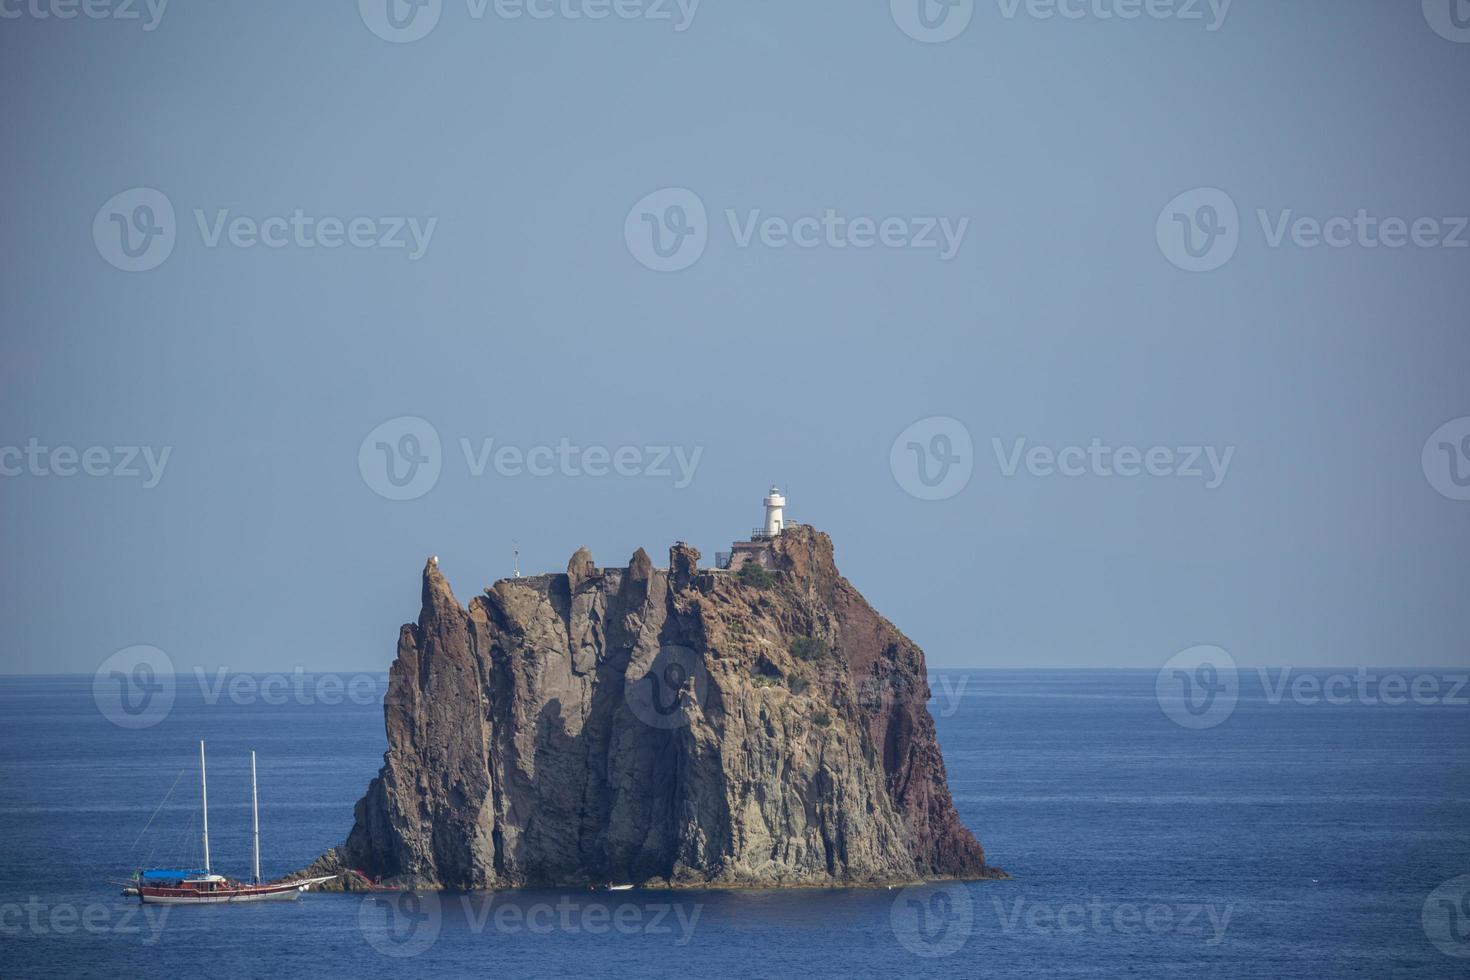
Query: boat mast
[
  {"x": 204, "y": 799},
  {"x": 255, "y": 817}
]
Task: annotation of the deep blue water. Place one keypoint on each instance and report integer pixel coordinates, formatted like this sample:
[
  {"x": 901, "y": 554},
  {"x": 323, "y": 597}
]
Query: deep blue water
[{"x": 1293, "y": 840}]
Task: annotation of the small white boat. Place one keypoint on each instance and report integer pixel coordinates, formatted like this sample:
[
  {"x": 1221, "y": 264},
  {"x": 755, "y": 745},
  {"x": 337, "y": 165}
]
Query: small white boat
[{"x": 200, "y": 886}]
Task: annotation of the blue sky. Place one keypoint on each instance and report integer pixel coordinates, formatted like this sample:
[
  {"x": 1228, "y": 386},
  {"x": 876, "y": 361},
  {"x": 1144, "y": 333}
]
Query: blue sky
[{"x": 453, "y": 227}]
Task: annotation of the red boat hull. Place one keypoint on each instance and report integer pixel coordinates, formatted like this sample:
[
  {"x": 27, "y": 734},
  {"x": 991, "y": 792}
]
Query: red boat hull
[{"x": 219, "y": 893}]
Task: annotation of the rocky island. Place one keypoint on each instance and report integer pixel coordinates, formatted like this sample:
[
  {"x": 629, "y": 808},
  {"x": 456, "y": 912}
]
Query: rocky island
[{"x": 757, "y": 725}]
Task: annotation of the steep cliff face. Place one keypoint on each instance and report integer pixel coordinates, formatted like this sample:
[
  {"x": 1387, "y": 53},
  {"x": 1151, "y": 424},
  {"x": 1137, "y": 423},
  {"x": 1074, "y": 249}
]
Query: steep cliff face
[{"x": 676, "y": 726}]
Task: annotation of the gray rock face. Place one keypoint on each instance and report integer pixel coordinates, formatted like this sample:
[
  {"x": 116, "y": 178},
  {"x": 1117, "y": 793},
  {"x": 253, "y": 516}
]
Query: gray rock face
[{"x": 676, "y": 727}]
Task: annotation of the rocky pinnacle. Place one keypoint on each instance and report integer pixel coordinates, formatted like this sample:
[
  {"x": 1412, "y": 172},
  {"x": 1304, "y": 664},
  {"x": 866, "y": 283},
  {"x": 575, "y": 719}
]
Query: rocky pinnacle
[{"x": 679, "y": 727}]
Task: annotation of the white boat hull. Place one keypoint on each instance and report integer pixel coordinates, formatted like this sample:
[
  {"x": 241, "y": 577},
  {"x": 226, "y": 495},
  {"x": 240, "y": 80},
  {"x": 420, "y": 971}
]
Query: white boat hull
[{"x": 284, "y": 892}]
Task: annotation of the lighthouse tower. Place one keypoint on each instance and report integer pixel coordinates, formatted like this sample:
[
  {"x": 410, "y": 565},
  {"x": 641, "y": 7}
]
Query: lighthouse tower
[{"x": 775, "y": 504}]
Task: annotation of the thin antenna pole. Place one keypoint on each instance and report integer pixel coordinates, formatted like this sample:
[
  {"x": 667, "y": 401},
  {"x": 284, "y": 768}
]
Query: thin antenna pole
[
  {"x": 255, "y": 817},
  {"x": 515, "y": 548},
  {"x": 204, "y": 799}
]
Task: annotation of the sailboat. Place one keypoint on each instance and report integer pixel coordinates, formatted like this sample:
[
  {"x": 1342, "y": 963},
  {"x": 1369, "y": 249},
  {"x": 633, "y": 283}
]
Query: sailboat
[{"x": 201, "y": 886}]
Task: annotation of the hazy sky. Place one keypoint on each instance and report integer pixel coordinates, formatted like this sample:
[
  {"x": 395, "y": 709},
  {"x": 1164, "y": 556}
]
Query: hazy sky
[{"x": 1040, "y": 156}]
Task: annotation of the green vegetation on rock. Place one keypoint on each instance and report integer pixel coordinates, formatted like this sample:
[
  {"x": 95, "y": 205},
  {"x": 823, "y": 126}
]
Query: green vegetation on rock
[
  {"x": 809, "y": 648},
  {"x": 755, "y": 574}
]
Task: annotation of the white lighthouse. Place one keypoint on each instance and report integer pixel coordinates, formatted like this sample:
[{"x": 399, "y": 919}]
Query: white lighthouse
[{"x": 775, "y": 504}]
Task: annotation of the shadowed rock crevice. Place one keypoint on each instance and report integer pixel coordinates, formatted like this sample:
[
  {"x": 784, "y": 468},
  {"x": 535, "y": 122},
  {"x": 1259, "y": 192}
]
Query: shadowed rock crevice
[{"x": 679, "y": 727}]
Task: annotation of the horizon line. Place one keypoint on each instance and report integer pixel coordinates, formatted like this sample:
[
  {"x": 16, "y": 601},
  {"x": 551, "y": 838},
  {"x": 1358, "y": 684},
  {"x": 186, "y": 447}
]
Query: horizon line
[{"x": 992, "y": 667}]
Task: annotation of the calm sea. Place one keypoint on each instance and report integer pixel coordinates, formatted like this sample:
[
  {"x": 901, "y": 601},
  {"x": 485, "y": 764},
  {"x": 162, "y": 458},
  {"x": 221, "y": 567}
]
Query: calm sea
[{"x": 1294, "y": 838}]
